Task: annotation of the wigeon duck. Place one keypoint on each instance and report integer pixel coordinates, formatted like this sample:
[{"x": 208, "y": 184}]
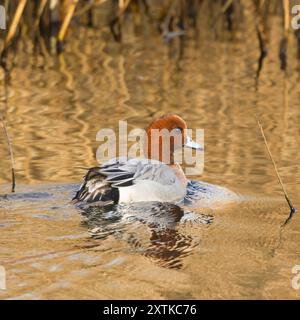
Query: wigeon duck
[{"x": 124, "y": 180}]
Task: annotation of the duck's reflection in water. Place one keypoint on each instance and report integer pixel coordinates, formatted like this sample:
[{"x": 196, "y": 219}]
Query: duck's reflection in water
[{"x": 151, "y": 228}]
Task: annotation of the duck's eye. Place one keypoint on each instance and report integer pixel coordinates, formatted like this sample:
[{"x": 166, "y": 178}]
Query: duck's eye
[{"x": 177, "y": 130}]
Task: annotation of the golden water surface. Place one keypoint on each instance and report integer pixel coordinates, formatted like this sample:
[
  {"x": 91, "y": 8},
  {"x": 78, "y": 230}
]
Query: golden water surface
[{"x": 56, "y": 105}]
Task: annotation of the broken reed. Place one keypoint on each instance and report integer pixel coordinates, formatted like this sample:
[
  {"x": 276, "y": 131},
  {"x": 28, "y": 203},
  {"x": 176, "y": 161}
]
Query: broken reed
[{"x": 292, "y": 208}]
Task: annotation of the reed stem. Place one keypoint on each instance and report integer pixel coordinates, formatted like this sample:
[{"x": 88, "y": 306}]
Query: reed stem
[
  {"x": 292, "y": 208},
  {"x": 14, "y": 24},
  {"x": 286, "y": 9},
  {"x": 66, "y": 21},
  {"x": 40, "y": 11}
]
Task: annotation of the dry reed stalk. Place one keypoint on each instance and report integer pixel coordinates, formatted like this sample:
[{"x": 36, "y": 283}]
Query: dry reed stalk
[
  {"x": 67, "y": 19},
  {"x": 123, "y": 5},
  {"x": 226, "y": 5},
  {"x": 292, "y": 208},
  {"x": 222, "y": 11},
  {"x": 85, "y": 9},
  {"x": 88, "y": 6},
  {"x": 53, "y": 18},
  {"x": 70, "y": 8},
  {"x": 40, "y": 11},
  {"x": 284, "y": 41},
  {"x": 286, "y": 9},
  {"x": 14, "y": 24},
  {"x": 117, "y": 21},
  {"x": 262, "y": 38},
  {"x": 12, "y": 161}
]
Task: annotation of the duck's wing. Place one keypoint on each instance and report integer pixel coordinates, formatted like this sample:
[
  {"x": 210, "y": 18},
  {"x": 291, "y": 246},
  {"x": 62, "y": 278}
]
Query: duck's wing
[
  {"x": 102, "y": 183},
  {"x": 123, "y": 172}
]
